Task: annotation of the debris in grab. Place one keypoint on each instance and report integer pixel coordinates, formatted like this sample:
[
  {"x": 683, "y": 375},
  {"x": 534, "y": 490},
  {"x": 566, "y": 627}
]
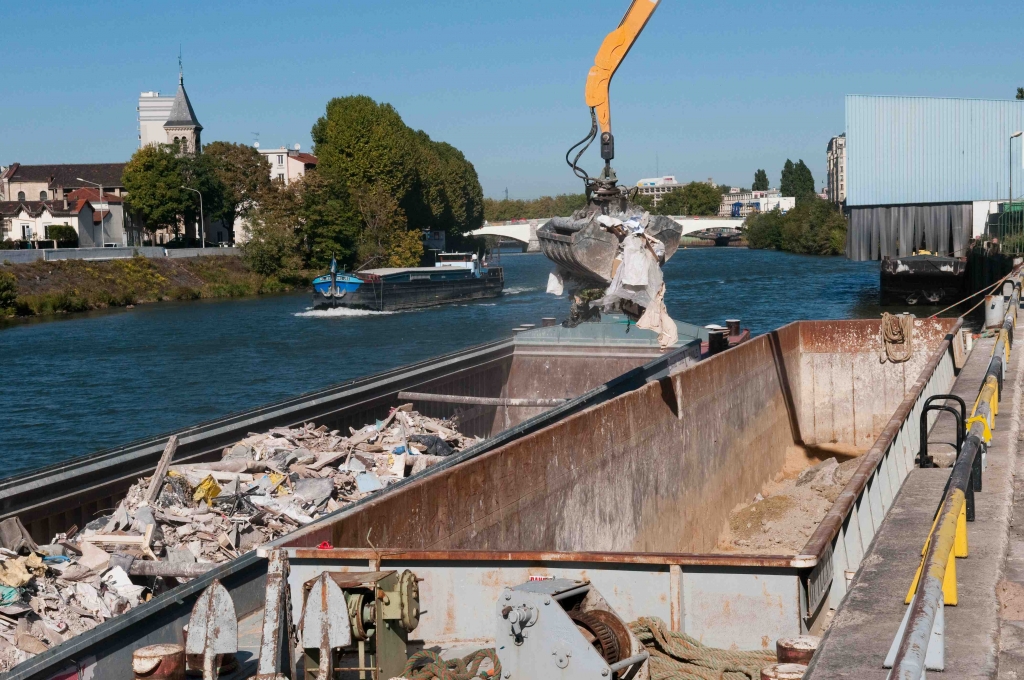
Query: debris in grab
[{"x": 186, "y": 519}]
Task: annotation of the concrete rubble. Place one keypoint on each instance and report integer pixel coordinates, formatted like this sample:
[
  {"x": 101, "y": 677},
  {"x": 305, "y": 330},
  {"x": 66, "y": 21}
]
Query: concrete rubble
[{"x": 202, "y": 514}]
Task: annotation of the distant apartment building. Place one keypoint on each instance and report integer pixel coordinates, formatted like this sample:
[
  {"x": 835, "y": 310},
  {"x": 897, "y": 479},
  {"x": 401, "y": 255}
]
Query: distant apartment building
[
  {"x": 836, "y": 155},
  {"x": 656, "y": 187},
  {"x": 288, "y": 165},
  {"x": 738, "y": 203}
]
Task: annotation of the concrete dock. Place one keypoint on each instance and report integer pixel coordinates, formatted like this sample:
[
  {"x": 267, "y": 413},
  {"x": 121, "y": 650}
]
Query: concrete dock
[{"x": 981, "y": 639}]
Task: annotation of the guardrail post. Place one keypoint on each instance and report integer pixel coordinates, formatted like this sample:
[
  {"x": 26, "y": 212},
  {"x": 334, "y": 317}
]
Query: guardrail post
[{"x": 923, "y": 459}]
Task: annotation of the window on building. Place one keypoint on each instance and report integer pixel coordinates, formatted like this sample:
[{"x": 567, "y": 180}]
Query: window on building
[
  {"x": 280, "y": 159},
  {"x": 26, "y": 232},
  {"x": 280, "y": 176},
  {"x": 21, "y": 195},
  {"x": 42, "y": 195}
]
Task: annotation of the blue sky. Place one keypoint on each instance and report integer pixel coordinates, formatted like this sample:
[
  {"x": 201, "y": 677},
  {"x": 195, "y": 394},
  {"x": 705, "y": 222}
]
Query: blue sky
[{"x": 710, "y": 89}]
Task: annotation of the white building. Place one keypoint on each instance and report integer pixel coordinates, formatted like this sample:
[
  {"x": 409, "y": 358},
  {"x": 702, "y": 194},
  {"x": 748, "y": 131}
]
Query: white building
[
  {"x": 836, "y": 157},
  {"x": 656, "y": 187},
  {"x": 169, "y": 120},
  {"x": 743, "y": 203},
  {"x": 287, "y": 165}
]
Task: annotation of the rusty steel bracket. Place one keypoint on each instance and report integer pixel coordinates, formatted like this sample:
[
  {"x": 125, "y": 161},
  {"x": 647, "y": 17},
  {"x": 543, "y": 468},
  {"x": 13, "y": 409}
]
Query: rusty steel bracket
[
  {"x": 275, "y": 645},
  {"x": 213, "y": 628},
  {"x": 325, "y": 623}
]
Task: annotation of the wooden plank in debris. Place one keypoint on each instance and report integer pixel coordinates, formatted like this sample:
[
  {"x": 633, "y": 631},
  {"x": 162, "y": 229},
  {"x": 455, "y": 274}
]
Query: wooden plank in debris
[{"x": 157, "y": 482}]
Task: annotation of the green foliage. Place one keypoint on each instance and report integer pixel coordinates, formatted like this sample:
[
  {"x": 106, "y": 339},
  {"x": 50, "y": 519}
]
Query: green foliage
[
  {"x": 385, "y": 240},
  {"x": 244, "y": 174},
  {"x": 1020, "y": 93},
  {"x": 154, "y": 178},
  {"x": 562, "y": 205},
  {"x": 271, "y": 239},
  {"x": 813, "y": 227},
  {"x": 62, "y": 233},
  {"x": 8, "y": 290},
  {"x": 365, "y": 146},
  {"x": 695, "y": 198},
  {"x": 797, "y": 180},
  {"x": 760, "y": 181}
]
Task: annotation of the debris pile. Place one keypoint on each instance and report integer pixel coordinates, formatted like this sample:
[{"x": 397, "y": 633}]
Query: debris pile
[
  {"x": 786, "y": 513},
  {"x": 187, "y": 518}
]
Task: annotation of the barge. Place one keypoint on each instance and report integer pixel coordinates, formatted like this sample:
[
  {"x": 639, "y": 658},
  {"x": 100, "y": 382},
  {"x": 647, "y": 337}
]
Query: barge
[
  {"x": 455, "y": 277},
  {"x": 625, "y": 487},
  {"x": 922, "y": 279}
]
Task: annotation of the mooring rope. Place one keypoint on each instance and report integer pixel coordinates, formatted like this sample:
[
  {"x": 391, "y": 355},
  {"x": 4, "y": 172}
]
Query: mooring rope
[
  {"x": 432, "y": 666},
  {"x": 677, "y": 656},
  {"x": 674, "y": 656},
  {"x": 897, "y": 337}
]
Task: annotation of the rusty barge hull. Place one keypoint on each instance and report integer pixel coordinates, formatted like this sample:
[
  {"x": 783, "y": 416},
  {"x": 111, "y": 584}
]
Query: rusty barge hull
[
  {"x": 633, "y": 492},
  {"x": 585, "y": 367}
]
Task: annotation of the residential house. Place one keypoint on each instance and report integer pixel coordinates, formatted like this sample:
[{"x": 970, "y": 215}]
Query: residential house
[
  {"x": 96, "y": 223},
  {"x": 287, "y": 165}
]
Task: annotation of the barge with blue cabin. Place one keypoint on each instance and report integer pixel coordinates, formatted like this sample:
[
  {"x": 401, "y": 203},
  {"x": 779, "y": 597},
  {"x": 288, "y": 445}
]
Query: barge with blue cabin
[{"x": 455, "y": 277}]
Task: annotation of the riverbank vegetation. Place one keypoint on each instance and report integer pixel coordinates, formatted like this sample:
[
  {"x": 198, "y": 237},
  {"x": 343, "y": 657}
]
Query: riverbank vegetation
[
  {"x": 378, "y": 187},
  {"x": 813, "y": 227},
  {"x": 505, "y": 210},
  {"x": 65, "y": 286}
]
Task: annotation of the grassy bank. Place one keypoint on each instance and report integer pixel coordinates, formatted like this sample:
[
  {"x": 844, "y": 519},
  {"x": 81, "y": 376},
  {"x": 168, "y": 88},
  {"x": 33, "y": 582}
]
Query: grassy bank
[{"x": 66, "y": 286}]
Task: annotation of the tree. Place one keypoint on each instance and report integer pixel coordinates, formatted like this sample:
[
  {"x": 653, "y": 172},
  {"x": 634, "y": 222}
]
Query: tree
[
  {"x": 813, "y": 227},
  {"x": 562, "y": 205},
  {"x": 197, "y": 172},
  {"x": 797, "y": 180},
  {"x": 329, "y": 224},
  {"x": 1020, "y": 93},
  {"x": 365, "y": 148},
  {"x": 244, "y": 174},
  {"x": 760, "y": 181},
  {"x": 63, "y": 234},
  {"x": 385, "y": 240},
  {"x": 8, "y": 290},
  {"x": 153, "y": 179},
  {"x": 698, "y": 198}
]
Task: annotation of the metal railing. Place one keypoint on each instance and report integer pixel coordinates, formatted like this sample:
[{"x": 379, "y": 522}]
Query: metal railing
[
  {"x": 1008, "y": 226},
  {"x": 919, "y": 643}
]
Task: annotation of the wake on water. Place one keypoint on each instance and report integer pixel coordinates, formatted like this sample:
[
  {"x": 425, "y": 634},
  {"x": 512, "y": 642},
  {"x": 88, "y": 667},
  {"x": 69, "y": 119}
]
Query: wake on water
[
  {"x": 337, "y": 312},
  {"x": 516, "y": 290}
]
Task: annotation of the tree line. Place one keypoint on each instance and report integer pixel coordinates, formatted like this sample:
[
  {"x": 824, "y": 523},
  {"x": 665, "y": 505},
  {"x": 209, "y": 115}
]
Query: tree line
[{"x": 379, "y": 185}]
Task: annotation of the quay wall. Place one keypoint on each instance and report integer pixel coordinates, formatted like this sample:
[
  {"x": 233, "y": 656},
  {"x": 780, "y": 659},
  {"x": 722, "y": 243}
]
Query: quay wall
[{"x": 50, "y": 254}]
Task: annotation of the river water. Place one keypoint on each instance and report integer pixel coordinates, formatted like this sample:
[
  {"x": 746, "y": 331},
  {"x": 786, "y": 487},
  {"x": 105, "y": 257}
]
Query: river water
[{"x": 91, "y": 381}]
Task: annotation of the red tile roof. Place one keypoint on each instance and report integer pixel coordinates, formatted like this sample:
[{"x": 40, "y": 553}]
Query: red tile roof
[
  {"x": 91, "y": 194},
  {"x": 307, "y": 158}
]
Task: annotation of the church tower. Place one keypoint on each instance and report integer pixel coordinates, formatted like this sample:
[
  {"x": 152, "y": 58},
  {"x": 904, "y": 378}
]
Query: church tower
[{"x": 181, "y": 126}]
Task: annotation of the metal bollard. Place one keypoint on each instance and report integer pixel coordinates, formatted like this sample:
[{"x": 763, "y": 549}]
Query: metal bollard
[{"x": 159, "y": 662}]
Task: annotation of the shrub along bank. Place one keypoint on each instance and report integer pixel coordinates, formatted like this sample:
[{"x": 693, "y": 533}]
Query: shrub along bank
[
  {"x": 813, "y": 227},
  {"x": 41, "y": 288}
]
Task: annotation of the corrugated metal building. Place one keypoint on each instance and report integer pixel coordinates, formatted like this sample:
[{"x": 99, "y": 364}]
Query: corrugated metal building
[{"x": 916, "y": 166}]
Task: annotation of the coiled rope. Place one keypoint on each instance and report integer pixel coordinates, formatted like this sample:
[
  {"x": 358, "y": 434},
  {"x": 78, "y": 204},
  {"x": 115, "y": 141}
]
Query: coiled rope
[
  {"x": 897, "y": 337},
  {"x": 674, "y": 656},
  {"x": 431, "y": 666},
  {"x": 677, "y": 656}
]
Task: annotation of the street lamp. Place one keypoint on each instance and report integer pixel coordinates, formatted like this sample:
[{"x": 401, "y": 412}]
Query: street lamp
[
  {"x": 100, "y": 187},
  {"x": 202, "y": 237},
  {"x": 1010, "y": 159}
]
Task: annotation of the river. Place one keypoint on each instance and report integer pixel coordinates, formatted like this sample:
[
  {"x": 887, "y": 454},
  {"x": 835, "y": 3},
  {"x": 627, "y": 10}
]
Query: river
[{"x": 91, "y": 381}]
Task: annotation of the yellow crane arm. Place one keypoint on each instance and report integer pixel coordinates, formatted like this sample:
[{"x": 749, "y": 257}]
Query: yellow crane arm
[{"x": 613, "y": 50}]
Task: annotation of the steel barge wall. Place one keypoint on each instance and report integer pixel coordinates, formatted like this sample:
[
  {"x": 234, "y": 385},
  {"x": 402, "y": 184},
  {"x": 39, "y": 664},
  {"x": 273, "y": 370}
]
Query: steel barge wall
[
  {"x": 106, "y": 651},
  {"x": 52, "y": 499},
  {"x": 633, "y": 493}
]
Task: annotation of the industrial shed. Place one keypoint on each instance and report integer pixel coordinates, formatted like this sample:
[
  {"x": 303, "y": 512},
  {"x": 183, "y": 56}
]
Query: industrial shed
[{"x": 925, "y": 172}]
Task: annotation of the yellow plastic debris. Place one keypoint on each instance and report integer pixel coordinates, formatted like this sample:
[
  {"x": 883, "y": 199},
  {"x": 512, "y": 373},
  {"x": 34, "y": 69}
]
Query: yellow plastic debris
[
  {"x": 13, "y": 573},
  {"x": 207, "y": 490}
]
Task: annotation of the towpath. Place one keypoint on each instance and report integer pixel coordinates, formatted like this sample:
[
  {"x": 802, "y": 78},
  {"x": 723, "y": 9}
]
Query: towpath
[{"x": 981, "y": 640}]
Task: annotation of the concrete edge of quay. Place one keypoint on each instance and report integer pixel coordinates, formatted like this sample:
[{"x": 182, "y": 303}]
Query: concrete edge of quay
[{"x": 97, "y": 254}]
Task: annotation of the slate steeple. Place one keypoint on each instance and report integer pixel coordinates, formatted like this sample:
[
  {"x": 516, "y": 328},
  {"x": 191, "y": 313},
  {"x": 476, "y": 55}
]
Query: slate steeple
[{"x": 182, "y": 126}]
